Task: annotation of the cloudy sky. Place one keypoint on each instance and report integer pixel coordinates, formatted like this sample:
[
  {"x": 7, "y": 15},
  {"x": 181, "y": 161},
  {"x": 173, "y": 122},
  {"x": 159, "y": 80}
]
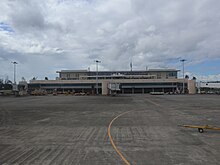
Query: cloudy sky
[{"x": 45, "y": 36}]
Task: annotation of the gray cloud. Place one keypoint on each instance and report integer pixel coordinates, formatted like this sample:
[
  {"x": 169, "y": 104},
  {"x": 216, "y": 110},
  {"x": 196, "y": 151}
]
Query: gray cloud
[
  {"x": 26, "y": 15},
  {"x": 70, "y": 34}
]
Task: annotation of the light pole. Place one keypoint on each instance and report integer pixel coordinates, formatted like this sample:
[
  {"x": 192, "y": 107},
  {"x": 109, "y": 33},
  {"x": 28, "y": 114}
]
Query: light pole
[
  {"x": 183, "y": 60},
  {"x": 97, "y": 63},
  {"x": 14, "y": 63}
]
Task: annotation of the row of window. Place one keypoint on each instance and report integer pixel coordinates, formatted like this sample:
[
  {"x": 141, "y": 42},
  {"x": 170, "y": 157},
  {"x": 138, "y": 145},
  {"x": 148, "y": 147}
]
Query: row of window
[
  {"x": 77, "y": 75},
  {"x": 122, "y": 84}
]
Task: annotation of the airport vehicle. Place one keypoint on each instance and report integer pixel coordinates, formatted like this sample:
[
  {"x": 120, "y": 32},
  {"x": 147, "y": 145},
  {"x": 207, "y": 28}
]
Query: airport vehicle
[
  {"x": 6, "y": 92},
  {"x": 201, "y": 128},
  {"x": 157, "y": 93}
]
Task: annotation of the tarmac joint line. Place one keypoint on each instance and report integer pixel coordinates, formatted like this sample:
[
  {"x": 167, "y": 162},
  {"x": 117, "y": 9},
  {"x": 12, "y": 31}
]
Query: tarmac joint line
[{"x": 152, "y": 102}]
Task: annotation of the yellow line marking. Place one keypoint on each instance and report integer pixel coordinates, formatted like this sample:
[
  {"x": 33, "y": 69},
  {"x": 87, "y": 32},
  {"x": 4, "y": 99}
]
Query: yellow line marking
[
  {"x": 202, "y": 126},
  {"x": 110, "y": 136},
  {"x": 111, "y": 140}
]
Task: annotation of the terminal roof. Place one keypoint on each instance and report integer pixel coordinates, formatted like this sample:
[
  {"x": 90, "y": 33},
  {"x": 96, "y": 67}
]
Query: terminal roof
[{"x": 149, "y": 70}]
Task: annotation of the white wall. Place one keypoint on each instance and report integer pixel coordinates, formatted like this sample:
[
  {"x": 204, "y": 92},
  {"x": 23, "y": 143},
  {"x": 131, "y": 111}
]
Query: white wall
[{"x": 208, "y": 85}]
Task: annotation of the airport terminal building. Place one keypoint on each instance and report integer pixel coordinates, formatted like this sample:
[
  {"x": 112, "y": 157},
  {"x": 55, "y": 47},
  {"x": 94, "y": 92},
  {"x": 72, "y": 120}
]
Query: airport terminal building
[
  {"x": 130, "y": 82},
  {"x": 209, "y": 87}
]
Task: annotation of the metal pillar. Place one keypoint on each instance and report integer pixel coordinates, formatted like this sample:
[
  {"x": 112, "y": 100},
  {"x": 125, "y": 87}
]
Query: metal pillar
[
  {"x": 183, "y": 60},
  {"x": 97, "y": 87},
  {"x": 14, "y": 63}
]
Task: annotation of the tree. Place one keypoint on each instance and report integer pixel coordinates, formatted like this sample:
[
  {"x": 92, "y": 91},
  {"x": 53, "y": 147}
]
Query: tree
[
  {"x": 5, "y": 84},
  {"x": 194, "y": 78},
  {"x": 1, "y": 83},
  {"x": 23, "y": 79},
  {"x": 8, "y": 81},
  {"x": 46, "y": 78},
  {"x": 186, "y": 76}
]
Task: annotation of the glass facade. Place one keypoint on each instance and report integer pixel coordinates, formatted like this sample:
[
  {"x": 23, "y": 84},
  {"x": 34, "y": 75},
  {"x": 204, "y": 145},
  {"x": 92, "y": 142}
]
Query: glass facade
[{"x": 160, "y": 74}]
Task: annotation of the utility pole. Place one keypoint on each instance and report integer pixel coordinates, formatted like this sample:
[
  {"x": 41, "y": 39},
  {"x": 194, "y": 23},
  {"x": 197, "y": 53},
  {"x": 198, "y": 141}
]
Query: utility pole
[
  {"x": 97, "y": 87},
  {"x": 183, "y": 60},
  {"x": 14, "y": 63}
]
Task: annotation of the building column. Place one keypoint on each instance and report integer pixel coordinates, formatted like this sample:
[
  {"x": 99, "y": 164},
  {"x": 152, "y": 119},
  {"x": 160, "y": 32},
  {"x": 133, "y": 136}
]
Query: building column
[
  {"x": 132, "y": 91},
  {"x": 105, "y": 88},
  {"x": 191, "y": 86}
]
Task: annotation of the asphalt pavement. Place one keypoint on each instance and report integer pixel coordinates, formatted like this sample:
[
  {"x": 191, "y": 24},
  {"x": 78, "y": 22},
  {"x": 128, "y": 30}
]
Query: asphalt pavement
[{"x": 73, "y": 130}]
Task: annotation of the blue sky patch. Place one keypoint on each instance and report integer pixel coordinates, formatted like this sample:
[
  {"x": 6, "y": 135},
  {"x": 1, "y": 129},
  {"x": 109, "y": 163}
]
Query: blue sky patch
[
  {"x": 6, "y": 27},
  {"x": 208, "y": 67}
]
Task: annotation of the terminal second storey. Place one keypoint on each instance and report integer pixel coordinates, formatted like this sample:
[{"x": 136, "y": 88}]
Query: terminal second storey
[
  {"x": 154, "y": 80},
  {"x": 91, "y": 75}
]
